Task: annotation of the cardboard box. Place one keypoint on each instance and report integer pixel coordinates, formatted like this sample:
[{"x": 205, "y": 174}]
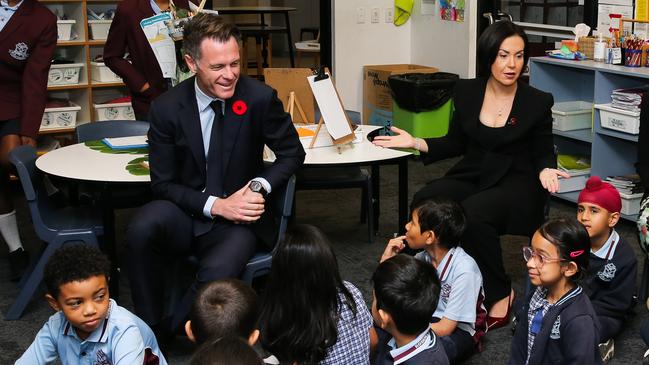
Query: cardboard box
[
  {"x": 285, "y": 80},
  {"x": 377, "y": 100}
]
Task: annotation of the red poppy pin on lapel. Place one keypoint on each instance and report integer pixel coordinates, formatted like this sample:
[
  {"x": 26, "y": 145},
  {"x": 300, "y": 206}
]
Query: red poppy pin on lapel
[
  {"x": 239, "y": 107},
  {"x": 512, "y": 121}
]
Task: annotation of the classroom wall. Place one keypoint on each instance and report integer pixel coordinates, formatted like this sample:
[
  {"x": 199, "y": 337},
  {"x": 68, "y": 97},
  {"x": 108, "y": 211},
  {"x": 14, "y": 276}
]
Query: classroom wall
[
  {"x": 424, "y": 40},
  {"x": 449, "y": 46},
  {"x": 355, "y": 45}
]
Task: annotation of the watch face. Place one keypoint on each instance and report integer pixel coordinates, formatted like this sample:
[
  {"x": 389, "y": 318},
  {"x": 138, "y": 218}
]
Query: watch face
[{"x": 256, "y": 186}]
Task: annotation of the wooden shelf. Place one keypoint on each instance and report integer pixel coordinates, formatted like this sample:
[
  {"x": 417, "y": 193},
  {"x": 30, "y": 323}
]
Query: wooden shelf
[
  {"x": 70, "y": 43},
  {"x": 56, "y": 131},
  {"x": 107, "y": 84},
  {"x": 67, "y": 87},
  {"x": 82, "y": 50}
]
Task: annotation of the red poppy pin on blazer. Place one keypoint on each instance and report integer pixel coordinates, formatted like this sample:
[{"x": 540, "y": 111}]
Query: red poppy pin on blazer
[
  {"x": 239, "y": 107},
  {"x": 512, "y": 121}
]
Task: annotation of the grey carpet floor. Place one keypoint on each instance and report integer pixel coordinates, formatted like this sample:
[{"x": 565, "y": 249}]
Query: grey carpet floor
[{"x": 337, "y": 213}]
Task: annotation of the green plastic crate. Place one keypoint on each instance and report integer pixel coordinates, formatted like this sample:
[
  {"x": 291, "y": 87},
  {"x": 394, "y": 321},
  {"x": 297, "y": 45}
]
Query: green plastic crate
[{"x": 428, "y": 124}]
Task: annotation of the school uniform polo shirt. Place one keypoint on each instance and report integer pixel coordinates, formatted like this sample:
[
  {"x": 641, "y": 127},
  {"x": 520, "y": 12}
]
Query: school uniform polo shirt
[
  {"x": 122, "y": 339},
  {"x": 461, "y": 288},
  {"x": 6, "y": 12},
  {"x": 424, "y": 349}
]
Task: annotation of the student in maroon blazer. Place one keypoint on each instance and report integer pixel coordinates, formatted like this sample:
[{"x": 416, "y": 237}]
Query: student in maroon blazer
[
  {"x": 142, "y": 75},
  {"x": 27, "y": 42}
]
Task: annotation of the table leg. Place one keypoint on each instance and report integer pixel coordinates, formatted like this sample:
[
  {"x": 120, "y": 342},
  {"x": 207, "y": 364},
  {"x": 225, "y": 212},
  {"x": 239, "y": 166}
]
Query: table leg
[
  {"x": 109, "y": 244},
  {"x": 376, "y": 193},
  {"x": 403, "y": 194},
  {"x": 290, "y": 39}
]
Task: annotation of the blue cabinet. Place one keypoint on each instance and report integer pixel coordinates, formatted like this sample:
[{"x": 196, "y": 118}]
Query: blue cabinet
[{"x": 611, "y": 152}]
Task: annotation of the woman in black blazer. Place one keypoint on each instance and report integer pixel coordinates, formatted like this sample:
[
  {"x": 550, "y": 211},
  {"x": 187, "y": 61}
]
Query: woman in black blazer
[{"x": 503, "y": 128}]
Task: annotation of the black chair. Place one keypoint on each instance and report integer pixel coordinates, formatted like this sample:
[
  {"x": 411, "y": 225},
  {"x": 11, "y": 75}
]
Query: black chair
[
  {"x": 111, "y": 129},
  {"x": 54, "y": 225},
  {"x": 346, "y": 177}
]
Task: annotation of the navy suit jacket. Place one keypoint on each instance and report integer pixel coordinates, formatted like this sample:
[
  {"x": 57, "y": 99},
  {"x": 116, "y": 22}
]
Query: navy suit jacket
[
  {"x": 27, "y": 44},
  {"x": 177, "y": 156}
]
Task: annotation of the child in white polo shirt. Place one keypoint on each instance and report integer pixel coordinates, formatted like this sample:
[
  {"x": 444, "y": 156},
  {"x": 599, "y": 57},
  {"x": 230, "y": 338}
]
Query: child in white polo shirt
[{"x": 436, "y": 226}]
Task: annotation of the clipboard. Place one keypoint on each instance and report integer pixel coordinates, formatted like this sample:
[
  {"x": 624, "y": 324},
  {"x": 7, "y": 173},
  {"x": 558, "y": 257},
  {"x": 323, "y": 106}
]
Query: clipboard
[{"x": 331, "y": 108}]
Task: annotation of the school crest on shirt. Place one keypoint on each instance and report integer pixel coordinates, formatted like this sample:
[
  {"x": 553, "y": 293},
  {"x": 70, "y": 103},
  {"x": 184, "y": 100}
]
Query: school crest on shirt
[
  {"x": 102, "y": 358},
  {"x": 555, "y": 333},
  {"x": 21, "y": 52},
  {"x": 445, "y": 292},
  {"x": 608, "y": 273}
]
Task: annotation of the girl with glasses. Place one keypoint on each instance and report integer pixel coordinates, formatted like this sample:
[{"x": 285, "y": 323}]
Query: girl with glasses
[{"x": 558, "y": 323}]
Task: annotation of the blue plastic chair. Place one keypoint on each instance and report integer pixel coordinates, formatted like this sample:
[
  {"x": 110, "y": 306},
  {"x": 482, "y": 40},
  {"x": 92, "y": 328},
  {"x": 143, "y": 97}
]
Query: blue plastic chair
[
  {"x": 111, "y": 129},
  {"x": 52, "y": 224},
  {"x": 259, "y": 264}
]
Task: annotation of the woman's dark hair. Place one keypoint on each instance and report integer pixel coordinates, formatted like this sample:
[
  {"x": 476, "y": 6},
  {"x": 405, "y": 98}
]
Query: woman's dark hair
[
  {"x": 408, "y": 289},
  {"x": 299, "y": 312},
  {"x": 226, "y": 351},
  {"x": 444, "y": 217},
  {"x": 572, "y": 241},
  {"x": 490, "y": 41}
]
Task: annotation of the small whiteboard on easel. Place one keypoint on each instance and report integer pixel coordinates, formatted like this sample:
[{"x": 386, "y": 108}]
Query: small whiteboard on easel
[{"x": 331, "y": 108}]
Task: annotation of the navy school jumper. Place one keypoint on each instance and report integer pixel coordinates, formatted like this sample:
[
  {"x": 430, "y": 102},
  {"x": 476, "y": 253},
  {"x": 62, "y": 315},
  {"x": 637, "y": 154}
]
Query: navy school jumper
[{"x": 569, "y": 333}]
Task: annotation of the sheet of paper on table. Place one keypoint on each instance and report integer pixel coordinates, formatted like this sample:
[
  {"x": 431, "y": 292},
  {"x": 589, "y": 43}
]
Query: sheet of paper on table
[{"x": 122, "y": 143}]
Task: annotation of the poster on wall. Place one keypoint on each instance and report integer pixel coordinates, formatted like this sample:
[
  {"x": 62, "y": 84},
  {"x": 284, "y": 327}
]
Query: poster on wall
[
  {"x": 427, "y": 7},
  {"x": 451, "y": 10}
]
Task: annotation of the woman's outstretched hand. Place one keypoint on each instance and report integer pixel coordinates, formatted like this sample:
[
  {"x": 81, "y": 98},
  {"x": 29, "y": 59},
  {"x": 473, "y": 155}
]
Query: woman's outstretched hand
[
  {"x": 402, "y": 139},
  {"x": 550, "y": 179}
]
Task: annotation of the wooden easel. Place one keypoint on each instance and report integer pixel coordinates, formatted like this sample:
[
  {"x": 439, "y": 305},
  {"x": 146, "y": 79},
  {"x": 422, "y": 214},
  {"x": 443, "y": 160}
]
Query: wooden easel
[
  {"x": 293, "y": 102},
  {"x": 323, "y": 74}
]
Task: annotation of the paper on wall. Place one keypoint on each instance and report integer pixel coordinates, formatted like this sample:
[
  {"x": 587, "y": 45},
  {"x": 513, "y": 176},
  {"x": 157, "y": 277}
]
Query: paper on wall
[
  {"x": 427, "y": 7},
  {"x": 157, "y": 33},
  {"x": 604, "y": 21}
]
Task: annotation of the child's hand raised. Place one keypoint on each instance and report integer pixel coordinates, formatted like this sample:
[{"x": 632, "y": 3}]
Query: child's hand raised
[{"x": 393, "y": 248}]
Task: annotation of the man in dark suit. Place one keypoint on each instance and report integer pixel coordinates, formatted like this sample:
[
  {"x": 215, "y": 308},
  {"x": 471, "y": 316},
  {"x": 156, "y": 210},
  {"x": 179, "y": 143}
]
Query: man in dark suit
[
  {"x": 142, "y": 74},
  {"x": 206, "y": 144},
  {"x": 27, "y": 42}
]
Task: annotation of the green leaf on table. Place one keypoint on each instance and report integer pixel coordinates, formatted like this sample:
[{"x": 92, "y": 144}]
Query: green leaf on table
[
  {"x": 138, "y": 166},
  {"x": 100, "y": 146}
]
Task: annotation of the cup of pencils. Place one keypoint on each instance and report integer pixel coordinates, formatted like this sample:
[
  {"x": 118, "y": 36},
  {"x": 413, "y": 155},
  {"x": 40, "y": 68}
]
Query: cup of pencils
[{"x": 633, "y": 52}]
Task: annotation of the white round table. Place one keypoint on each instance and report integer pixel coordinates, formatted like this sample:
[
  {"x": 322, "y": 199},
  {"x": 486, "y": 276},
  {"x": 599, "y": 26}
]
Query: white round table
[{"x": 79, "y": 162}]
